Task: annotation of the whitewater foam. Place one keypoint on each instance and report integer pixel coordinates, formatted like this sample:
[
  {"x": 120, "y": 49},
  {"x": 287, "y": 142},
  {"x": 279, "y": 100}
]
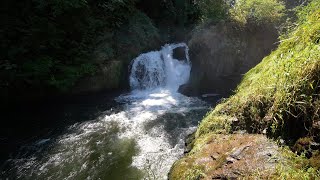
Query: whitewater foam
[{"x": 147, "y": 135}]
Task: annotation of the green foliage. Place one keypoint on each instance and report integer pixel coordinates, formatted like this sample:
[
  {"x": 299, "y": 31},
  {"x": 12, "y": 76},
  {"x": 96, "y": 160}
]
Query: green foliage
[
  {"x": 58, "y": 7},
  {"x": 182, "y": 170},
  {"x": 212, "y": 10},
  {"x": 38, "y": 68},
  {"x": 49, "y": 43},
  {"x": 281, "y": 93},
  {"x": 68, "y": 75},
  {"x": 294, "y": 167},
  {"x": 136, "y": 34},
  {"x": 257, "y": 11},
  {"x": 219, "y": 125}
]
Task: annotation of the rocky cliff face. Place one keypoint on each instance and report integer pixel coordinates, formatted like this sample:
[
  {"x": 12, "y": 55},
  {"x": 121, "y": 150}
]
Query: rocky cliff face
[{"x": 222, "y": 53}]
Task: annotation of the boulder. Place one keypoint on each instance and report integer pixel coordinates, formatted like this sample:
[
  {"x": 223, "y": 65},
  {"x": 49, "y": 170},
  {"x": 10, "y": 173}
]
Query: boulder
[
  {"x": 179, "y": 53},
  {"x": 222, "y": 53}
]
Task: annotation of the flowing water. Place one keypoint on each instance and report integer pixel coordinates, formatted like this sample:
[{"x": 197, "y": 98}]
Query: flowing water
[{"x": 140, "y": 138}]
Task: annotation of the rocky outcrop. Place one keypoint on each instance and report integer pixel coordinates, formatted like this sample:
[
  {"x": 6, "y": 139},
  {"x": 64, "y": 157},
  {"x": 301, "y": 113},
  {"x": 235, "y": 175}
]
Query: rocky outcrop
[
  {"x": 234, "y": 156},
  {"x": 222, "y": 53},
  {"x": 179, "y": 53}
]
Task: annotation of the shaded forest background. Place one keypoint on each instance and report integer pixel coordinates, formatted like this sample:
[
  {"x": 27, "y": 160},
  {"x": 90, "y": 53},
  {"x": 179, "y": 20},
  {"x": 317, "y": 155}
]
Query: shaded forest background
[
  {"x": 48, "y": 45},
  {"x": 51, "y": 46}
]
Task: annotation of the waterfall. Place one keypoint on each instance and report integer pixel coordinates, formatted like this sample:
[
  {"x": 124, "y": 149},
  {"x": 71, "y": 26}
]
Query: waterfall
[
  {"x": 140, "y": 138},
  {"x": 159, "y": 69}
]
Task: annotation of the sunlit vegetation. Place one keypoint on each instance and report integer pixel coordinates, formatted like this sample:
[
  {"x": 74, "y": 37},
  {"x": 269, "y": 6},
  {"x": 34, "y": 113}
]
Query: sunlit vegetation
[
  {"x": 281, "y": 90},
  {"x": 257, "y": 11},
  {"x": 279, "y": 97},
  {"x": 49, "y": 45}
]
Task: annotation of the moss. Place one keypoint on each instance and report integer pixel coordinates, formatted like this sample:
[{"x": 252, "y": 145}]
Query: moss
[
  {"x": 185, "y": 169},
  {"x": 280, "y": 92},
  {"x": 302, "y": 145},
  {"x": 294, "y": 167},
  {"x": 200, "y": 142},
  {"x": 257, "y": 11},
  {"x": 315, "y": 161},
  {"x": 282, "y": 95},
  {"x": 218, "y": 124}
]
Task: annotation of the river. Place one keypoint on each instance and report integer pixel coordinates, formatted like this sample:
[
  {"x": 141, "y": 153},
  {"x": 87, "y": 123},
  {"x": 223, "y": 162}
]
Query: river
[{"x": 139, "y": 137}]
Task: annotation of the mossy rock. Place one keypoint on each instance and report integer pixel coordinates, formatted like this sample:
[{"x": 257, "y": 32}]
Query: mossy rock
[{"x": 280, "y": 96}]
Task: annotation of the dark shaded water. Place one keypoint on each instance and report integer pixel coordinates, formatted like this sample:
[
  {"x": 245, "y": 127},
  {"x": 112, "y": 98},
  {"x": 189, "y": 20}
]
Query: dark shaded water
[
  {"x": 96, "y": 137},
  {"x": 29, "y": 122},
  {"x": 136, "y": 135}
]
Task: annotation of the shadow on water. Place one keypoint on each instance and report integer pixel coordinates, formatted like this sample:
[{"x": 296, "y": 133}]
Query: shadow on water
[
  {"x": 36, "y": 142},
  {"x": 174, "y": 123},
  {"x": 71, "y": 138},
  {"x": 97, "y": 154}
]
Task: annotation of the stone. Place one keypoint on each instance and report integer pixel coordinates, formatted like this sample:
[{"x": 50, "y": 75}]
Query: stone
[
  {"x": 264, "y": 131},
  {"x": 187, "y": 90},
  {"x": 237, "y": 152},
  {"x": 230, "y": 160},
  {"x": 179, "y": 53},
  {"x": 221, "y": 53}
]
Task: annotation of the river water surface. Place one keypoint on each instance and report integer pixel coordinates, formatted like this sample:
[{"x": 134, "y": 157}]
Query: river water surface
[{"x": 139, "y": 138}]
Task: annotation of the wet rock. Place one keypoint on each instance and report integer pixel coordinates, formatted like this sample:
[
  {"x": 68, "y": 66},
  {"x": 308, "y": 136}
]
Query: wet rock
[
  {"x": 188, "y": 90},
  {"x": 237, "y": 152},
  {"x": 187, "y": 149},
  {"x": 179, "y": 53},
  {"x": 222, "y": 53},
  {"x": 189, "y": 142}
]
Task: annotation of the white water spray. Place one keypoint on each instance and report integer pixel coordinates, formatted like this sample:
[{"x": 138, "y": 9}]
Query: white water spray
[
  {"x": 154, "y": 118},
  {"x": 159, "y": 69},
  {"x": 155, "y": 78}
]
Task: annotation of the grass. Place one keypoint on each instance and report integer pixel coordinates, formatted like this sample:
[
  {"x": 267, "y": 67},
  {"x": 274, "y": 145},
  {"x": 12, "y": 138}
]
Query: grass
[
  {"x": 291, "y": 166},
  {"x": 257, "y": 11},
  {"x": 295, "y": 167},
  {"x": 280, "y": 95},
  {"x": 281, "y": 91}
]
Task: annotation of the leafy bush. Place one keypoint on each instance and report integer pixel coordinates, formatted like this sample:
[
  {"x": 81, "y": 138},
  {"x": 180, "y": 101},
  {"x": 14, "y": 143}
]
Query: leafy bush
[
  {"x": 137, "y": 34},
  {"x": 257, "y": 11},
  {"x": 211, "y": 10},
  {"x": 68, "y": 75},
  {"x": 49, "y": 43}
]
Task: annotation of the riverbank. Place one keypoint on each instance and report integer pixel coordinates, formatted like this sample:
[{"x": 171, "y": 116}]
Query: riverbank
[{"x": 279, "y": 98}]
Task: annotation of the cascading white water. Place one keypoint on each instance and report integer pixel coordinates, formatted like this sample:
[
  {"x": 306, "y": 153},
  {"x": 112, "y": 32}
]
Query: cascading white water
[
  {"x": 141, "y": 141},
  {"x": 158, "y": 69},
  {"x": 154, "y": 79}
]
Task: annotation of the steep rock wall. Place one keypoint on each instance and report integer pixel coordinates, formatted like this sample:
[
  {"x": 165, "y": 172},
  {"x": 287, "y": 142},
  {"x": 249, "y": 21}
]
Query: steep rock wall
[{"x": 222, "y": 53}]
